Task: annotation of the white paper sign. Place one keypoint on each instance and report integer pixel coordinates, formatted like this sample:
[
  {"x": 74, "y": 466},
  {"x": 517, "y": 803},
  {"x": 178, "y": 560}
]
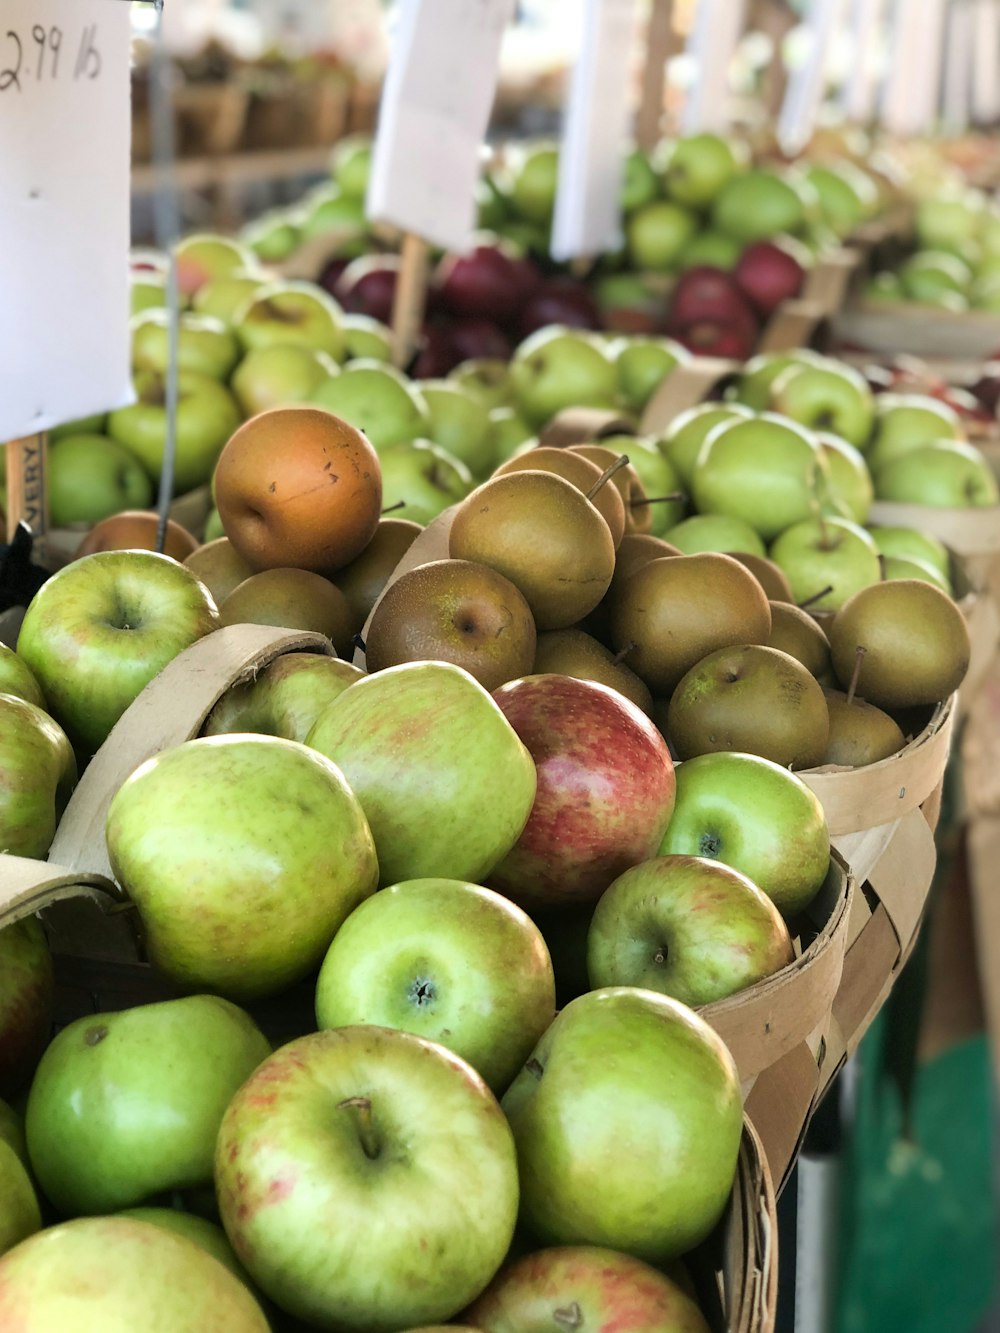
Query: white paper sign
[
  {"x": 957, "y": 87},
  {"x": 587, "y": 217},
  {"x": 808, "y": 83},
  {"x": 64, "y": 211},
  {"x": 859, "y": 94},
  {"x": 439, "y": 89},
  {"x": 986, "y": 61},
  {"x": 711, "y": 44},
  {"x": 912, "y": 90}
]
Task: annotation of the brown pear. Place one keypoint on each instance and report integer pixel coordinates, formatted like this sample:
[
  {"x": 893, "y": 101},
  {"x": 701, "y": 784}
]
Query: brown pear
[
  {"x": 219, "y": 566},
  {"x": 579, "y": 472},
  {"x": 911, "y": 639},
  {"x": 284, "y": 699},
  {"x": 771, "y": 577},
  {"x": 544, "y": 535},
  {"x": 860, "y": 733},
  {"x": 678, "y": 609},
  {"x": 754, "y": 700},
  {"x": 363, "y": 579},
  {"x": 794, "y": 631},
  {"x": 637, "y": 549},
  {"x": 454, "y": 611},
  {"x": 293, "y": 599},
  {"x": 571, "y": 652},
  {"x": 638, "y": 516}
]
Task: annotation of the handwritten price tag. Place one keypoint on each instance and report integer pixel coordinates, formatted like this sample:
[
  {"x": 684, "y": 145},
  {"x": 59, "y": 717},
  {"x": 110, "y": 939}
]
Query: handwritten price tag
[
  {"x": 64, "y": 211},
  {"x": 436, "y": 102}
]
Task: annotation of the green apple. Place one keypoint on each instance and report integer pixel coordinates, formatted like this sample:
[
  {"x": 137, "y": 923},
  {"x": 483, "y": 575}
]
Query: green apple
[
  {"x": 420, "y": 480},
  {"x": 20, "y": 1216},
  {"x": 12, "y": 1130},
  {"x": 904, "y": 567},
  {"x": 713, "y": 248},
  {"x": 273, "y": 237},
  {"x": 912, "y": 544},
  {"x": 243, "y": 855},
  {"x": 634, "y": 1078},
  {"x": 931, "y": 274},
  {"x": 448, "y": 961},
  {"x": 768, "y": 471},
  {"x": 291, "y": 311},
  {"x": 640, "y": 183},
  {"x": 27, "y": 1000},
  {"x": 350, "y": 164},
  {"x": 686, "y": 927},
  {"x": 946, "y": 474},
  {"x": 364, "y": 1140},
  {"x": 100, "y": 630},
  {"x": 280, "y": 374},
  {"x": 534, "y": 176},
  {"x": 429, "y": 791},
  {"x": 93, "y": 425},
  {"x": 459, "y": 423},
  {"x": 847, "y": 196},
  {"x": 208, "y": 1236},
  {"x": 147, "y": 291},
  {"x": 127, "y": 1105},
  {"x": 16, "y": 678},
  {"x": 213, "y": 526},
  {"x": 205, "y": 345},
  {"x": 657, "y": 233},
  {"x": 659, "y": 480},
  {"x": 207, "y": 415},
  {"x": 834, "y": 397},
  {"x": 116, "y": 1274},
  {"x": 906, "y": 421},
  {"x": 511, "y": 434},
  {"x": 948, "y": 219},
  {"x": 203, "y": 257},
  {"x": 486, "y": 377},
  {"x": 849, "y": 489},
  {"x": 698, "y": 167},
  {"x": 714, "y": 532},
  {"x": 758, "y": 205},
  {"x": 37, "y": 777},
  {"x": 643, "y": 363},
  {"x": 379, "y": 400},
  {"x": 753, "y": 388},
  {"x": 784, "y": 848},
  {"x": 556, "y": 368},
  {"x": 223, "y": 297},
  {"x": 884, "y": 287},
  {"x": 826, "y": 553},
  {"x": 92, "y": 477},
  {"x": 333, "y": 212},
  {"x": 284, "y": 699},
  {"x": 367, "y": 337},
  {"x": 686, "y": 434}
]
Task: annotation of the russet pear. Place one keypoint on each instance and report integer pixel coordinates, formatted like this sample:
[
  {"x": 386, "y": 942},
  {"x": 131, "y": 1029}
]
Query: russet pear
[
  {"x": 796, "y": 632},
  {"x": 579, "y": 472},
  {"x": 572, "y": 652},
  {"x": 638, "y": 517},
  {"x": 860, "y": 733}
]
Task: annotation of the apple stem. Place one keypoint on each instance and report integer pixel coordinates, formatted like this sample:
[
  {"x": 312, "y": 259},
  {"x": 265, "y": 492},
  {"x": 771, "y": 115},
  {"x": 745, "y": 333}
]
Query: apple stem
[
  {"x": 364, "y": 1123},
  {"x": 816, "y": 597},
  {"x": 859, "y": 657},
  {"x": 391, "y": 509},
  {"x": 620, "y": 656},
  {"x": 620, "y": 462},
  {"x": 659, "y": 499}
]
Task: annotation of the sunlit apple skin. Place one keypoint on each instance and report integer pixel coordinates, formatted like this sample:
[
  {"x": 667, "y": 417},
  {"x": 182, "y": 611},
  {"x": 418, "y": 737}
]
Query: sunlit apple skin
[
  {"x": 367, "y": 1179},
  {"x": 605, "y": 789},
  {"x": 27, "y": 995},
  {"x": 602, "y": 1291},
  {"x": 627, "y": 1120},
  {"x": 37, "y": 777},
  {"x": 449, "y": 961},
  {"x": 688, "y": 927}
]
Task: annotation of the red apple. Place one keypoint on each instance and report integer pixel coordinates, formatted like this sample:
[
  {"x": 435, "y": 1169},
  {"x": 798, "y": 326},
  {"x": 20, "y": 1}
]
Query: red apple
[
  {"x": 562, "y": 301},
  {"x": 437, "y": 354},
  {"x": 330, "y": 276},
  {"x": 987, "y": 387},
  {"x": 27, "y": 991},
  {"x": 367, "y": 286},
  {"x": 478, "y": 339},
  {"x": 712, "y": 338},
  {"x": 528, "y": 278},
  {"x": 605, "y": 789},
  {"x": 479, "y": 284},
  {"x": 768, "y": 274},
  {"x": 707, "y": 293}
]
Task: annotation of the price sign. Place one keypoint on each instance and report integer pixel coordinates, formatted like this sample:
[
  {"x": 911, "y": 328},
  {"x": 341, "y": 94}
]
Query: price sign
[
  {"x": 436, "y": 102},
  {"x": 957, "y": 69},
  {"x": 986, "y": 61},
  {"x": 860, "y": 91},
  {"x": 587, "y": 216},
  {"x": 911, "y": 95},
  {"x": 64, "y": 211},
  {"x": 712, "y": 41},
  {"x": 808, "y": 83}
]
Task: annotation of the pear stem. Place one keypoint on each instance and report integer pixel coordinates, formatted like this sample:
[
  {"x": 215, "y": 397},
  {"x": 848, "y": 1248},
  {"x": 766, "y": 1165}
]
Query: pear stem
[
  {"x": 620, "y": 656},
  {"x": 859, "y": 657},
  {"x": 620, "y": 462},
  {"x": 391, "y": 509},
  {"x": 659, "y": 499},
  {"x": 881, "y": 566},
  {"x": 364, "y": 1123},
  {"x": 816, "y": 597}
]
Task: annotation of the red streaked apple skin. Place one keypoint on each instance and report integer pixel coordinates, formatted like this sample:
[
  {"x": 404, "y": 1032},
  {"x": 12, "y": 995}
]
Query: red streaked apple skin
[
  {"x": 605, "y": 789},
  {"x": 610, "y": 1292}
]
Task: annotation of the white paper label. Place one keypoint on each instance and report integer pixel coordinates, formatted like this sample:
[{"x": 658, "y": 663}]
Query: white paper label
[
  {"x": 958, "y": 70},
  {"x": 808, "y": 83},
  {"x": 911, "y": 95},
  {"x": 986, "y": 61},
  {"x": 64, "y": 211},
  {"x": 712, "y": 41},
  {"x": 860, "y": 91},
  {"x": 436, "y": 102},
  {"x": 587, "y": 216}
]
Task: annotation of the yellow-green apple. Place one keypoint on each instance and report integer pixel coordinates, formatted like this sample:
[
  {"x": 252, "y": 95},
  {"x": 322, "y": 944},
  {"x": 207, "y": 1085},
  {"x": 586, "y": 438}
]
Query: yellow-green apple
[
  {"x": 350, "y": 164},
  {"x": 20, "y": 1215},
  {"x": 127, "y": 1105},
  {"x": 846, "y": 195},
  {"x": 113, "y": 1274},
  {"x": 486, "y": 377},
  {"x": 420, "y": 480},
  {"x": 421, "y": 745},
  {"x": 242, "y": 890},
  {"x": 203, "y": 257},
  {"x": 556, "y": 368},
  {"x": 27, "y": 996},
  {"x": 91, "y": 477},
  {"x": 642, "y": 364},
  {"x": 206, "y": 417},
  {"x": 534, "y": 172},
  {"x": 378, "y": 400},
  {"x": 37, "y": 777},
  {"x": 290, "y": 311},
  {"x": 205, "y": 344},
  {"x": 697, "y": 166},
  {"x": 603, "y": 1291},
  {"x": 273, "y": 236},
  {"x": 632, "y": 1077},
  {"x": 219, "y": 566},
  {"x": 605, "y": 789},
  {"x": 363, "y": 1139},
  {"x": 688, "y": 927},
  {"x": 659, "y": 478},
  {"x": 449, "y": 961},
  {"x": 12, "y": 1131},
  {"x": 701, "y": 533},
  {"x": 367, "y": 337},
  {"x": 279, "y": 374},
  {"x": 147, "y": 291},
  {"x": 945, "y": 474},
  {"x": 757, "y": 817},
  {"x": 829, "y": 556},
  {"x": 640, "y": 181},
  {"x": 907, "y": 543},
  {"x": 768, "y": 471},
  {"x": 16, "y": 678},
  {"x": 758, "y": 204},
  {"x": 460, "y": 423},
  {"x": 284, "y": 699},
  {"x": 753, "y": 388},
  {"x": 208, "y": 1236},
  {"x": 223, "y": 297},
  {"x": 92, "y": 425},
  {"x": 100, "y": 629},
  {"x": 849, "y": 489},
  {"x": 906, "y": 421},
  {"x": 657, "y": 233},
  {"x": 330, "y": 211},
  {"x": 909, "y": 567},
  {"x": 833, "y": 397}
]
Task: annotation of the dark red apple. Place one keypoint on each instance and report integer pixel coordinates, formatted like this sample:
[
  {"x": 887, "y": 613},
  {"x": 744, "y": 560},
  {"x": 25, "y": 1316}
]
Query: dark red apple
[
  {"x": 605, "y": 790},
  {"x": 367, "y": 286},
  {"x": 27, "y": 991},
  {"x": 479, "y": 285},
  {"x": 560, "y": 300},
  {"x": 528, "y": 278},
  {"x": 478, "y": 339},
  {"x": 707, "y": 293},
  {"x": 767, "y": 274},
  {"x": 330, "y": 276},
  {"x": 437, "y": 353},
  {"x": 707, "y": 337},
  {"x": 987, "y": 387}
]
